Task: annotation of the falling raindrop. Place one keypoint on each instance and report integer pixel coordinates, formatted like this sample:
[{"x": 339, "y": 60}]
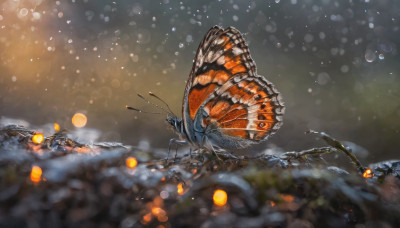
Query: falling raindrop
[{"x": 370, "y": 56}]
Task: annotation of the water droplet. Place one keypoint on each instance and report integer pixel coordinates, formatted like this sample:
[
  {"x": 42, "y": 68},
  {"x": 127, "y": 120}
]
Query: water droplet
[
  {"x": 36, "y": 15},
  {"x": 381, "y": 57},
  {"x": 323, "y": 78},
  {"x": 371, "y": 25},
  {"x": 308, "y": 38},
  {"x": 370, "y": 56},
  {"x": 344, "y": 68},
  {"x": 23, "y": 12},
  {"x": 70, "y": 41},
  {"x": 235, "y": 18},
  {"x": 322, "y": 35},
  {"x": 173, "y": 29},
  {"x": 181, "y": 45},
  {"x": 189, "y": 38}
]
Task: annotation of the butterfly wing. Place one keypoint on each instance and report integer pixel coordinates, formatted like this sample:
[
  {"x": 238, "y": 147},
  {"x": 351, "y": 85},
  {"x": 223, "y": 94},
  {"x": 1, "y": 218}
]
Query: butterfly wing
[
  {"x": 244, "y": 113},
  {"x": 224, "y": 92}
]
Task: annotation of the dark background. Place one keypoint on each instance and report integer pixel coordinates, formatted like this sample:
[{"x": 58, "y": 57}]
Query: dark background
[{"x": 336, "y": 64}]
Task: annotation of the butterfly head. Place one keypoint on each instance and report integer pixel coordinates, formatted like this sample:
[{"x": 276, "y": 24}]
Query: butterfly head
[{"x": 175, "y": 122}]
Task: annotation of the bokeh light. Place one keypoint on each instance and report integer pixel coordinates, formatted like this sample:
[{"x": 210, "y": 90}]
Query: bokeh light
[
  {"x": 180, "y": 188},
  {"x": 287, "y": 198},
  {"x": 368, "y": 173},
  {"x": 220, "y": 197},
  {"x": 38, "y": 138},
  {"x": 36, "y": 174},
  {"x": 131, "y": 162},
  {"x": 79, "y": 120},
  {"x": 56, "y": 127}
]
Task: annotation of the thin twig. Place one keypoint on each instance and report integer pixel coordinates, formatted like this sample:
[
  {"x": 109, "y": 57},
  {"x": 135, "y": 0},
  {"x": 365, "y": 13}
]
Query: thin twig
[{"x": 338, "y": 145}]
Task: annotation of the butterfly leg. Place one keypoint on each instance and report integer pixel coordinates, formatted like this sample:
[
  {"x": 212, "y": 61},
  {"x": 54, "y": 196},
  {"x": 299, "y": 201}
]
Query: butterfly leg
[
  {"x": 177, "y": 142},
  {"x": 208, "y": 145}
]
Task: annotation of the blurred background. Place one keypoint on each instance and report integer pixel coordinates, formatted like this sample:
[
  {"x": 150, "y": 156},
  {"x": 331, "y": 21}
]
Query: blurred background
[{"x": 336, "y": 64}]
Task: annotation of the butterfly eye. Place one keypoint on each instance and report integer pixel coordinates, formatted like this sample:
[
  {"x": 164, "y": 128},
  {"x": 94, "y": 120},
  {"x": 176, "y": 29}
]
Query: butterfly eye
[
  {"x": 263, "y": 106},
  {"x": 261, "y": 125}
]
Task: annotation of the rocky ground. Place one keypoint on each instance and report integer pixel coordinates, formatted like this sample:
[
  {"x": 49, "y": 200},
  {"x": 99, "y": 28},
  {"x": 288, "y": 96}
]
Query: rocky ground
[{"x": 59, "y": 182}]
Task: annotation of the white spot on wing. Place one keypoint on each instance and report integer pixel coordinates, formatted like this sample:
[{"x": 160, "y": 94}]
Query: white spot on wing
[
  {"x": 209, "y": 56},
  {"x": 237, "y": 51},
  {"x": 219, "y": 41},
  {"x": 221, "y": 60}
]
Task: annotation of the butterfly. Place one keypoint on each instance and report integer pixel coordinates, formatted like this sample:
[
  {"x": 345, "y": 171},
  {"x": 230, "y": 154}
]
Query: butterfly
[{"x": 226, "y": 104}]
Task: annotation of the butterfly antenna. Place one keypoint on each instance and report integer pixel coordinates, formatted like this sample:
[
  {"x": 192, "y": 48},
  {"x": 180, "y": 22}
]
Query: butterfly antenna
[
  {"x": 138, "y": 110},
  {"x": 156, "y": 105},
  {"x": 158, "y": 98}
]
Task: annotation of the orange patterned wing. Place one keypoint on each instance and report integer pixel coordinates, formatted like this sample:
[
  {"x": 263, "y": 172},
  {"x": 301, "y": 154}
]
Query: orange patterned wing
[
  {"x": 225, "y": 99},
  {"x": 250, "y": 109},
  {"x": 222, "y": 55}
]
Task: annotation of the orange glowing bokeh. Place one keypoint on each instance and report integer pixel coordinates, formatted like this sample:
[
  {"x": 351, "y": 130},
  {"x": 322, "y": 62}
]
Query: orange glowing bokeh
[
  {"x": 180, "y": 189},
  {"x": 37, "y": 138},
  {"x": 272, "y": 204},
  {"x": 147, "y": 218},
  {"x": 220, "y": 197},
  {"x": 79, "y": 120},
  {"x": 131, "y": 162},
  {"x": 56, "y": 127},
  {"x": 36, "y": 174},
  {"x": 368, "y": 173},
  {"x": 287, "y": 198},
  {"x": 162, "y": 218}
]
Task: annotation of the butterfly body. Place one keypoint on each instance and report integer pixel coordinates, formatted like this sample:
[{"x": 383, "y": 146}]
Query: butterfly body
[{"x": 226, "y": 103}]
